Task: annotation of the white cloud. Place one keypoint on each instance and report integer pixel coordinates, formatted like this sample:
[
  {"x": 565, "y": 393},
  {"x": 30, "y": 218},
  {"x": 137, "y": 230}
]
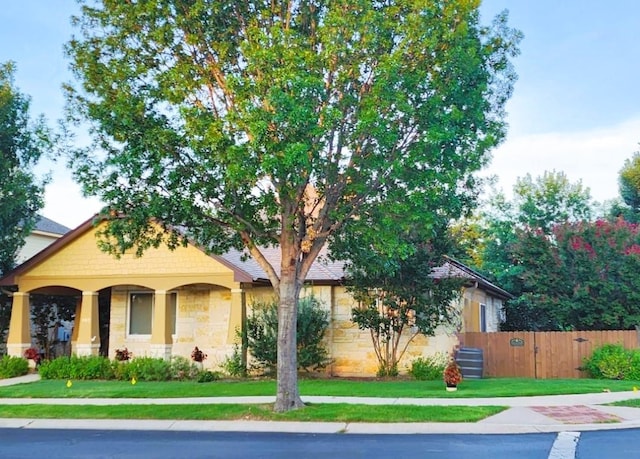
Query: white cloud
[
  {"x": 595, "y": 157},
  {"x": 64, "y": 202}
]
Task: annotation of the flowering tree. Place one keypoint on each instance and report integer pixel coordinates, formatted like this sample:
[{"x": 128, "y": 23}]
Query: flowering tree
[{"x": 583, "y": 276}]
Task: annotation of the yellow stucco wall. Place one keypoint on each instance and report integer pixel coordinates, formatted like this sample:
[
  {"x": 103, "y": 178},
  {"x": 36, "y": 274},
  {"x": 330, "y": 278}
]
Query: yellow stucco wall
[{"x": 83, "y": 266}]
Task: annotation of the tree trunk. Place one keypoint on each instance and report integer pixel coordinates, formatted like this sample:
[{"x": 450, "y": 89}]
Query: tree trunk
[{"x": 287, "y": 396}]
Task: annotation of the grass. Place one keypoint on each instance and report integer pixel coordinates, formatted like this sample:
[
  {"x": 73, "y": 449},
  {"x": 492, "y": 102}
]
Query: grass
[
  {"x": 492, "y": 387},
  {"x": 313, "y": 412},
  {"x": 498, "y": 387},
  {"x": 633, "y": 403}
]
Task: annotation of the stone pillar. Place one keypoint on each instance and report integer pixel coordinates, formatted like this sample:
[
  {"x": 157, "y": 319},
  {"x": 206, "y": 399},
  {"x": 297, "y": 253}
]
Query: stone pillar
[
  {"x": 19, "y": 338},
  {"x": 161, "y": 339},
  {"x": 88, "y": 325}
]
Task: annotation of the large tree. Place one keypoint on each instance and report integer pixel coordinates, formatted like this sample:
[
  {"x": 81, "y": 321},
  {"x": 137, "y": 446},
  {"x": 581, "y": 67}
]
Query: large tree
[
  {"x": 254, "y": 123},
  {"x": 22, "y": 143}
]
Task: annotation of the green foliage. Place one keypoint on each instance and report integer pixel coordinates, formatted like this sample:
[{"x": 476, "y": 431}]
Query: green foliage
[
  {"x": 74, "y": 367},
  {"x": 583, "y": 277},
  {"x": 429, "y": 368},
  {"x": 22, "y": 143},
  {"x": 181, "y": 368},
  {"x": 10, "y": 367},
  {"x": 400, "y": 295},
  {"x": 145, "y": 369},
  {"x": 97, "y": 367},
  {"x": 565, "y": 271},
  {"x": 388, "y": 371},
  {"x": 629, "y": 186},
  {"x": 275, "y": 123},
  {"x": 613, "y": 361},
  {"x": 262, "y": 334},
  {"x": 537, "y": 205},
  {"x": 312, "y": 323},
  {"x": 234, "y": 364},
  {"x": 208, "y": 376}
]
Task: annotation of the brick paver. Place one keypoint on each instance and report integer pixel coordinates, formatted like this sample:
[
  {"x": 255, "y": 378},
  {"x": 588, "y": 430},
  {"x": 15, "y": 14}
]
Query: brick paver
[{"x": 578, "y": 414}]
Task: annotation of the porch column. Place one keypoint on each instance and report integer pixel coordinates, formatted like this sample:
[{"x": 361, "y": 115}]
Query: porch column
[
  {"x": 237, "y": 315},
  {"x": 161, "y": 339},
  {"x": 74, "y": 330},
  {"x": 19, "y": 338},
  {"x": 88, "y": 325}
]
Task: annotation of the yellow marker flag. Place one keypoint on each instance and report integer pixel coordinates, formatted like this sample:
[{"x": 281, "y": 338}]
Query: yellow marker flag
[
  {"x": 69, "y": 383},
  {"x": 635, "y": 389},
  {"x": 134, "y": 380}
]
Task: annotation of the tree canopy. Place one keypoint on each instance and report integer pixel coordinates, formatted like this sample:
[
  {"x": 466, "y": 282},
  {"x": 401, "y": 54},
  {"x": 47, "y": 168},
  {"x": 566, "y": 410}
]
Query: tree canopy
[
  {"x": 401, "y": 297},
  {"x": 629, "y": 188},
  {"x": 584, "y": 276},
  {"x": 22, "y": 142},
  {"x": 538, "y": 205},
  {"x": 282, "y": 123}
]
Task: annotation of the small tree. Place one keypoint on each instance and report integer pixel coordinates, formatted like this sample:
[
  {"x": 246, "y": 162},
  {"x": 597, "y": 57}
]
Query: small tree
[
  {"x": 400, "y": 295},
  {"x": 312, "y": 323}
]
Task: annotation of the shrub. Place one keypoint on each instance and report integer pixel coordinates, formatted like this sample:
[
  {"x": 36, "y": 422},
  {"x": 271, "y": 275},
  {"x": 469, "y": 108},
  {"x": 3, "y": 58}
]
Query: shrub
[
  {"x": 208, "y": 376},
  {"x": 429, "y": 368},
  {"x": 233, "y": 365},
  {"x": 312, "y": 323},
  {"x": 10, "y": 367},
  {"x": 387, "y": 371},
  {"x": 611, "y": 361},
  {"x": 74, "y": 367},
  {"x": 146, "y": 369},
  {"x": 182, "y": 368}
]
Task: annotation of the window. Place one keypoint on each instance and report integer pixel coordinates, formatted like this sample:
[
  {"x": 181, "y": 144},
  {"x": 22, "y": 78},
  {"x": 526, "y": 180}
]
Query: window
[
  {"x": 141, "y": 305},
  {"x": 140, "y": 313},
  {"x": 483, "y": 318}
]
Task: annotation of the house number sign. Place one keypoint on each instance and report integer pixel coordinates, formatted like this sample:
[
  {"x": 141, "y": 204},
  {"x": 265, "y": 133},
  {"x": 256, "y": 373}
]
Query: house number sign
[{"x": 516, "y": 342}]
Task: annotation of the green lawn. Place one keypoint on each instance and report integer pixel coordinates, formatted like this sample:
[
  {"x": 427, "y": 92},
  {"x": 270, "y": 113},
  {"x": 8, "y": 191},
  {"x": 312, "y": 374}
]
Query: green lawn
[
  {"x": 313, "y": 412},
  {"x": 499, "y": 387},
  {"x": 633, "y": 403}
]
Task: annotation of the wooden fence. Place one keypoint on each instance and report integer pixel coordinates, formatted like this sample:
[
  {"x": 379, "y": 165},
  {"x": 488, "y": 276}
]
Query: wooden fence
[{"x": 542, "y": 355}]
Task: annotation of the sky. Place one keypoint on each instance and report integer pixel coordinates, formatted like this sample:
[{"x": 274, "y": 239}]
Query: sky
[{"x": 575, "y": 107}]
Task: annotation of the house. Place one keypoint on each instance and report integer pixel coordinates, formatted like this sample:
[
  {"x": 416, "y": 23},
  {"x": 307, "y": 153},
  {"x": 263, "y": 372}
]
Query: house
[
  {"x": 45, "y": 232},
  {"x": 167, "y": 302}
]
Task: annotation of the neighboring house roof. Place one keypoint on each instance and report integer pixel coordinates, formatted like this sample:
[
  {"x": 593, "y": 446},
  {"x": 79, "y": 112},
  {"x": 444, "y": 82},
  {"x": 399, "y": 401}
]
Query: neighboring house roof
[
  {"x": 46, "y": 225},
  {"x": 322, "y": 269},
  {"x": 246, "y": 269},
  {"x": 455, "y": 268}
]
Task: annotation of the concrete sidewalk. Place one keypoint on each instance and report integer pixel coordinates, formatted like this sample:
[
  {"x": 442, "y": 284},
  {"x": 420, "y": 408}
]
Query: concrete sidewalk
[{"x": 555, "y": 413}]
